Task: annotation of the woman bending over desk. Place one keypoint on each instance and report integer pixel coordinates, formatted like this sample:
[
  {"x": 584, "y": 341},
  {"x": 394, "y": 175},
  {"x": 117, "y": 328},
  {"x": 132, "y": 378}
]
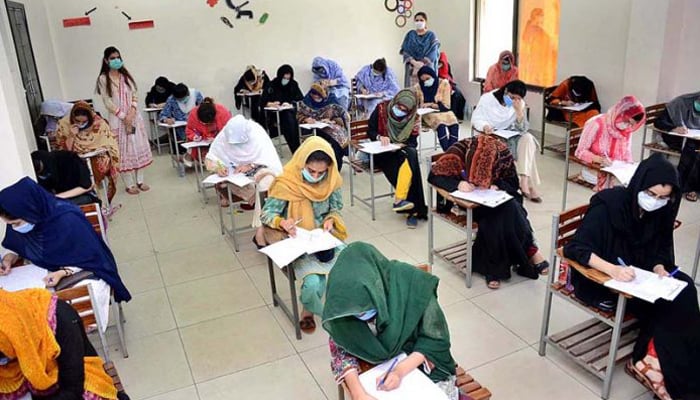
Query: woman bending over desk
[{"x": 634, "y": 225}]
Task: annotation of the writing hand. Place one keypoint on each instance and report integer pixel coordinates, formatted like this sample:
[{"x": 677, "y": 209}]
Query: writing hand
[
  {"x": 328, "y": 225},
  {"x": 222, "y": 171},
  {"x": 289, "y": 226},
  {"x": 197, "y": 138},
  {"x": 391, "y": 382},
  {"x": 465, "y": 186},
  {"x": 623, "y": 274},
  {"x": 680, "y": 130},
  {"x": 385, "y": 140},
  {"x": 488, "y": 129},
  {"x": 661, "y": 271},
  {"x": 6, "y": 266},
  {"x": 53, "y": 278}
]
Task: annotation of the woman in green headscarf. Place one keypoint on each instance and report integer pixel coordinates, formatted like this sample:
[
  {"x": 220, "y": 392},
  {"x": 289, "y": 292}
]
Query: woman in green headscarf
[
  {"x": 396, "y": 121},
  {"x": 377, "y": 309}
]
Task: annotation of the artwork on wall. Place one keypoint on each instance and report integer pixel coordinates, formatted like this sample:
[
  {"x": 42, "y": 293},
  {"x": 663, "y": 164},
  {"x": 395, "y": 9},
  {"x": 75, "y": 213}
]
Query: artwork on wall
[
  {"x": 240, "y": 12},
  {"x": 402, "y": 8},
  {"x": 226, "y": 22},
  {"x": 79, "y": 21}
]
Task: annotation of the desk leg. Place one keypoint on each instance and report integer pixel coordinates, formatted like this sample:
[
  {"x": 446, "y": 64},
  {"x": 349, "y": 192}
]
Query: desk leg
[
  {"x": 470, "y": 218},
  {"x": 232, "y": 232},
  {"x": 156, "y": 131},
  {"x": 371, "y": 182},
  {"x": 295, "y": 306},
  {"x": 279, "y": 129},
  {"x": 696, "y": 260},
  {"x": 273, "y": 283},
  {"x": 221, "y": 211},
  {"x": 566, "y": 172},
  {"x": 617, "y": 331},
  {"x": 548, "y": 291},
  {"x": 431, "y": 221},
  {"x": 175, "y": 145}
]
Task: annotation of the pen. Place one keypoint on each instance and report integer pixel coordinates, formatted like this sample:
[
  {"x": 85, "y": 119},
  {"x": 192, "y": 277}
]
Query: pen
[
  {"x": 297, "y": 221},
  {"x": 393, "y": 364},
  {"x": 675, "y": 271},
  {"x": 621, "y": 262}
]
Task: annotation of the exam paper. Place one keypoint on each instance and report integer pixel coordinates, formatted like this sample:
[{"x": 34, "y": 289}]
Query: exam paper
[
  {"x": 414, "y": 386},
  {"x": 622, "y": 171},
  {"x": 239, "y": 180},
  {"x": 305, "y": 242},
  {"x": 24, "y": 277},
  {"x": 485, "y": 197},
  {"x": 649, "y": 286},
  {"x": 377, "y": 148}
]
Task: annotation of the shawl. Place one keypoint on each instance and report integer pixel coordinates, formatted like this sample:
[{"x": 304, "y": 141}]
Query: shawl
[
  {"x": 484, "y": 158},
  {"x": 445, "y": 72},
  {"x": 93, "y": 137},
  {"x": 331, "y": 70},
  {"x": 489, "y": 111},
  {"x": 288, "y": 93},
  {"x": 496, "y": 77},
  {"x": 259, "y": 81},
  {"x": 62, "y": 236},
  {"x": 428, "y": 92},
  {"x": 399, "y": 130},
  {"x": 241, "y": 142},
  {"x": 385, "y": 83},
  {"x": 55, "y": 108},
  {"x": 318, "y": 90},
  {"x": 291, "y": 186},
  {"x": 420, "y": 46},
  {"x": 682, "y": 113},
  {"x": 26, "y": 335},
  {"x": 408, "y": 315}
]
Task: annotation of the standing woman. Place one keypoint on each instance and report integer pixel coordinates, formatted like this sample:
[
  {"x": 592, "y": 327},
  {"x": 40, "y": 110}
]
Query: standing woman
[
  {"x": 502, "y": 72},
  {"x": 420, "y": 47},
  {"x": 436, "y": 93},
  {"x": 118, "y": 90},
  {"x": 284, "y": 91}
]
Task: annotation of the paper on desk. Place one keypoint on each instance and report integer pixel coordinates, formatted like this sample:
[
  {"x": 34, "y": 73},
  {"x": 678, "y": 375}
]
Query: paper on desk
[
  {"x": 622, "y": 171},
  {"x": 201, "y": 143},
  {"x": 24, "y": 277},
  {"x": 315, "y": 125},
  {"x": 424, "y": 111},
  {"x": 506, "y": 133},
  {"x": 93, "y": 153},
  {"x": 369, "y": 96},
  {"x": 377, "y": 148},
  {"x": 239, "y": 180},
  {"x": 414, "y": 386},
  {"x": 692, "y": 134},
  {"x": 649, "y": 286},
  {"x": 305, "y": 242},
  {"x": 176, "y": 124},
  {"x": 280, "y": 108},
  {"x": 578, "y": 106},
  {"x": 485, "y": 197}
]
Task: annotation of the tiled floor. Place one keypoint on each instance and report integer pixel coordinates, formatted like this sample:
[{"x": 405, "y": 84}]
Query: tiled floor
[{"x": 201, "y": 324}]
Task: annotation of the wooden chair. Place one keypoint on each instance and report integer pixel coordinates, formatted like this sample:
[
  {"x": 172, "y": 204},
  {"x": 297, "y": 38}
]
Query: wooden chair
[
  {"x": 600, "y": 342},
  {"x": 358, "y": 133},
  {"x": 111, "y": 370},
  {"x": 561, "y": 147},
  {"x": 93, "y": 213},
  {"x": 653, "y": 113}
]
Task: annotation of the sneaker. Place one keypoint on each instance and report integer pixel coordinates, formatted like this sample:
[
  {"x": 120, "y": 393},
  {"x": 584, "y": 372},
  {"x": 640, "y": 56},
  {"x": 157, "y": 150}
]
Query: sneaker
[
  {"x": 412, "y": 222},
  {"x": 187, "y": 160},
  {"x": 402, "y": 205}
]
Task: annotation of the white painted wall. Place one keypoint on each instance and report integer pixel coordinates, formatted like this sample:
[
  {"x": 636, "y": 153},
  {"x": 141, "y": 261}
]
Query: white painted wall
[{"x": 42, "y": 41}]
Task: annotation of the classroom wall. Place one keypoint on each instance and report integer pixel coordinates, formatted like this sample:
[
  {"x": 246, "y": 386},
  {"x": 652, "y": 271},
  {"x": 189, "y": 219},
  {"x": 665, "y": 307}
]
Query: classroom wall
[
  {"x": 44, "y": 54},
  {"x": 681, "y": 58},
  {"x": 191, "y": 44}
]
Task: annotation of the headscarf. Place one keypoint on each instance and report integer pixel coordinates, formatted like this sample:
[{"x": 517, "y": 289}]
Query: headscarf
[
  {"x": 330, "y": 70},
  {"x": 496, "y": 77},
  {"x": 484, "y": 158},
  {"x": 400, "y": 129},
  {"x": 291, "y": 186},
  {"x": 622, "y": 111},
  {"x": 241, "y": 142},
  {"x": 408, "y": 315},
  {"x": 253, "y": 74},
  {"x": 428, "y": 92},
  {"x": 320, "y": 91},
  {"x": 94, "y": 137},
  {"x": 581, "y": 89},
  {"x": 444, "y": 71},
  {"x": 385, "y": 83},
  {"x": 26, "y": 334},
  {"x": 682, "y": 111},
  {"x": 281, "y": 72},
  {"x": 61, "y": 237},
  {"x": 55, "y": 108}
]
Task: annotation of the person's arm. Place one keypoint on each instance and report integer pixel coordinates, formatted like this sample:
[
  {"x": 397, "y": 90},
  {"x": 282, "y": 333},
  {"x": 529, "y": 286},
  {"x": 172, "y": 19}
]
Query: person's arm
[
  {"x": 335, "y": 202},
  {"x": 75, "y": 192},
  {"x": 83, "y": 184},
  {"x": 559, "y": 94},
  {"x": 480, "y": 115},
  {"x": 193, "y": 127},
  {"x": 373, "y": 125},
  {"x": 444, "y": 98},
  {"x": 223, "y": 115},
  {"x": 71, "y": 368},
  {"x": 167, "y": 111},
  {"x": 297, "y": 94},
  {"x": 490, "y": 81},
  {"x": 449, "y": 183},
  {"x": 108, "y": 103},
  {"x": 8, "y": 260},
  {"x": 346, "y": 368},
  {"x": 521, "y": 122},
  {"x": 664, "y": 122},
  {"x": 273, "y": 212}
]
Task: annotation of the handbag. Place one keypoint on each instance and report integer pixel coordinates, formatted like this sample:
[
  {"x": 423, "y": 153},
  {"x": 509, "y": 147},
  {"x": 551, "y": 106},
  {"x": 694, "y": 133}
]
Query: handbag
[{"x": 74, "y": 279}]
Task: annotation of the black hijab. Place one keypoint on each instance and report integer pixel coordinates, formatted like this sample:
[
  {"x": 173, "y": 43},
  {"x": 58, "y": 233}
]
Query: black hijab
[
  {"x": 289, "y": 93},
  {"x": 428, "y": 92}
]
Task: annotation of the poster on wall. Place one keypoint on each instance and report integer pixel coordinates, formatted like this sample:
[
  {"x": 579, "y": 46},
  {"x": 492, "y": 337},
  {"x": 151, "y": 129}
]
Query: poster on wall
[{"x": 538, "y": 41}]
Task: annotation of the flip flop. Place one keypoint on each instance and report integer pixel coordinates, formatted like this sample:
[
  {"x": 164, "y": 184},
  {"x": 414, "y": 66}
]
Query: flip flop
[
  {"x": 641, "y": 377},
  {"x": 308, "y": 325},
  {"x": 691, "y": 196},
  {"x": 132, "y": 190},
  {"x": 537, "y": 199},
  {"x": 494, "y": 284},
  {"x": 143, "y": 187}
]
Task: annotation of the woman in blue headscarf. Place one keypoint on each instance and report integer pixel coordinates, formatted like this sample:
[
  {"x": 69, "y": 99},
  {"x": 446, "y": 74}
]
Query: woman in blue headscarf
[
  {"x": 54, "y": 234},
  {"x": 420, "y": 47},
  {"x": 436, "y": 94},
  {"x": 331, "y": 76},
  {"x": 377, "y": 79}
]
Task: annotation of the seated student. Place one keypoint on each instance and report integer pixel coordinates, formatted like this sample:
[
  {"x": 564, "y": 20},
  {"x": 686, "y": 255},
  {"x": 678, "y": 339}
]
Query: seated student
[
  {"x": 607, "y": 138},
  {"x": 317, "y": 107},
  {"x": 55, "y": 235},
  {"x": 505, "y": 109},
  {"x": 44, "y": 352},
  {"x": 284, "y": 90},
  {"x": 574, "y": 90},
  {"x": 377, "y": 309},
  {"x": 46, "y": 125},
  {"x": 505, "y": 235},
  {"x": 683, "y": 113},
  {"x": 396, "y": 121},
  {"x": 308, "y": 194},
  {"x": 459, "y": 103},
  {"x": 159, "y": 93},
  {"x": 64, "y": 174},
  {"x": 205, "y": 122},
  {"x": 376, "y": 78},
  {"x": 245, "y": 147},
  {"x": 253, "y": 80},
  {"x": 178, "y": 108},
  {"x": 331, "y": 76},
  {"x": 436, "y": 93},
  {"x": 501, "y": 72},
  {"x": 634, "y": 225},
  {"x": 83, "y": 131}
]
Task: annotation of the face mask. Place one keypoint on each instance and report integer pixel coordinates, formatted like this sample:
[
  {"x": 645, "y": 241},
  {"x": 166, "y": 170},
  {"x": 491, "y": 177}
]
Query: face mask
[
  {"x": 429, "y": 82},
  {"x": 367, "y": 315},
  {"x": 83, "y": 125},
  {"x": 117, "y": 63},
  {"x": 420, "y": 25},
  {"x": 307, "y": 176},
  {"x": 320, "y": 72},
  {"x": 24, "y": 228},
  {"x": 622, "y": 125},
  {"x": 375, "y": 73},
  {"x": 696, "y": 105},
  {"x": 399, "y": 113},
  {"x": 650, "y": 203},
  {"x": 184, "y": 100},
  {"x": 285, "y": 82},
  {"x": 505, "y": 66},
  {"x": 508, "y": 101}
]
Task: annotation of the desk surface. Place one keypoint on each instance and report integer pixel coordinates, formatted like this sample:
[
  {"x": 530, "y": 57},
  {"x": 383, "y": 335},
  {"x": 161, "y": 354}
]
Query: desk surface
[{"x": 177, "y": 124}]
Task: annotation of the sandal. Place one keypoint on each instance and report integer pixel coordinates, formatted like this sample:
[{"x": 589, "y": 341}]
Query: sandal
[
  {"x": 308, "y": 325},
  {"x": 528, "y": 196},
  {"x": 542, "y": 268},
  {"x": 143, "y": 187},
  {"x": 494, "y": 284},
  {"x": 691, "y": 196},
  {"x": 132, "y": 190},
  {"x": 658, "y": 388}
]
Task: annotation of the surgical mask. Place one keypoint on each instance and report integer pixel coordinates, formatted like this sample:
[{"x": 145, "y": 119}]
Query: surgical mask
[
  {"x": 622, "y": 125},
  {"x": 650, "y": 203},
  {"x": 420, "y": 25},
  {"x": 508, "y": 101},
  {"x": 367, "y": 315},
  {"x": 506, "y": 66},
  {"x": 429, "y": 82},
  {"x": 398, "y": 112},
  {"x": 309, "y": 178},
  {"x": 285, "y": 82},
  {"x": 375, "y": 73},
  {"x": 696, "y": 105},
  {"x": 24, "y": 228},
  {"x": 184, "y": 100},
  {"x": 116, "y": 63},
  {"x": 83, "y": 125}
]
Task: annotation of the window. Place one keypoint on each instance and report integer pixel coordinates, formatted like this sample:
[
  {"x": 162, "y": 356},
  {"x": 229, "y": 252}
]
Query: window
[{"x": 535, "y": 45}]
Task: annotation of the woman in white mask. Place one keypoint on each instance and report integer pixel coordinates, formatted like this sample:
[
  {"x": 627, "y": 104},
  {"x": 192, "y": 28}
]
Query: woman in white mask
[
  {"x": 607, "y": 138},
  {"x": 634, "y": 226},
  {"x": 420, "y": 47}
]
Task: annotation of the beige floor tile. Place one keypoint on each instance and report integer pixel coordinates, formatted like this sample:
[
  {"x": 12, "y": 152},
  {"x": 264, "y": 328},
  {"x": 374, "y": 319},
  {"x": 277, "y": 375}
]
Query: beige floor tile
[
  {"x": 290, "y": 380},
  {"x": 180, "y": 266},
  {"x": 318, "y": 339},
  {"x": 148, "y": 313},
  {"x": 144, "y": 372},
  {"x": 318, "y": 361},
  {"x": 391, "y": 251},
  {"x": 233, "y": 343},
  {"x": 175, "y": 214},
  {"x": 185, "y": 235},
  {"x": 260, "y": 276},
  {"x": 141, "y": 275},
  {"x": 189, "y": 393},
  {"x": 213, "y": 297},
  {"x": 131, "y": 247}
]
